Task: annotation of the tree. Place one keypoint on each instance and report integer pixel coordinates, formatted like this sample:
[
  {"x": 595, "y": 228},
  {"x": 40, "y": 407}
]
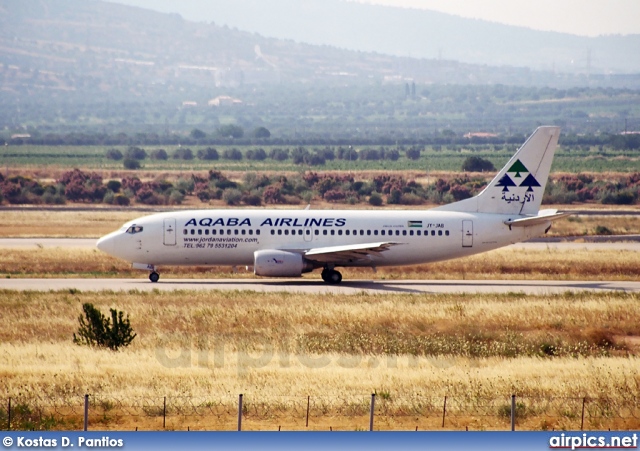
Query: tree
[
  {"x": 197, "y": 134},
  {"x": 131, "y": 164},
  {"x": 413, "y": 153},
  {"x": 135, "y": 153},
  {"x": 232, "y": 154},
  {"x": 114, "y": 154},
  {"x": 477, "y": 164},
  {"x": 230, "y": 131},
  {"x": 183, "y": 153},
  {"x": 208, "y": 154},
  {"x": 159, "y": 154},
  {"x": 261, "y": 133},
  {"x": 98, "y": 330}
]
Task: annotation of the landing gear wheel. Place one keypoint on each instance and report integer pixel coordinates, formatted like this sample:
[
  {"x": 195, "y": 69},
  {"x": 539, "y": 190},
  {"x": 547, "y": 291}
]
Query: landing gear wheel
[
  {"x": 154, "y": 277},
  {"x": 331, "y": 276}
]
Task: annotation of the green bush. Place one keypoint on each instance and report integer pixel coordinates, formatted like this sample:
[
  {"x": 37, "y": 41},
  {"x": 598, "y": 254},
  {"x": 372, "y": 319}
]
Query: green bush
[{"x": 98, "y": 330}]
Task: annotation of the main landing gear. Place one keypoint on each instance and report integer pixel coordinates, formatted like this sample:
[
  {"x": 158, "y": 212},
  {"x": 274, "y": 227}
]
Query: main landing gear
[
  {"x": 154, "y": 277},
  {"x": 331, "y": 276}
]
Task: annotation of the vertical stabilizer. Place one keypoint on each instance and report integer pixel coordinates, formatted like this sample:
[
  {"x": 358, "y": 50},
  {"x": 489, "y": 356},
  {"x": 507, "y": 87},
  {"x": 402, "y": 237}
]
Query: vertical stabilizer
[{"x": 519, "y": 186}]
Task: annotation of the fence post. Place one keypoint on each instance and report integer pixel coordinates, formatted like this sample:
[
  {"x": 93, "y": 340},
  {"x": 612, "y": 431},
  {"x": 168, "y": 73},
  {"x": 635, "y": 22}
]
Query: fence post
[
  {"x": 86, "y": 413},
  {"x": 513, "y": 412},
  {"x": 9, "y": 416},
  {"x": 240, "y": 412},
  {"x": 308, "y": 402},
  {"x": 444, "y": 410},
  {"x": 164, "y": 413},
  {"x": 373, "y": 406},
  {"x": 584, "y": 400}
]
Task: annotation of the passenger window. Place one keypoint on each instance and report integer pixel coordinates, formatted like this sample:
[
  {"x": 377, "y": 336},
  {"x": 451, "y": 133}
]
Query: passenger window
[
  {"x": 410, "y": 232},
  {"x": 339, "y": 232},
  {"x": 273, "y": 232},
  {"x": 404, "y": 233},
  {"x": 257, "y": 232},
  {"x": 433, "y": 233},
  {"x": 324, "y": 232},
  {"x": 250, "y": 231},
  {"x": 206, "y": 231},
  {"x": 398, "y": 233},
  {"x": 279, "y": 232},
  {"x": 361, "y": 232},
  {"x": 185, "y": 232},
  {"x": 244, "y": 232},
  {"x": 446, "y": 232},
  {"x": 368, "y": 232},
  {"x": 316, "y": 232},
  {"x": 375, "y": 232},
  {"x": 213, "y": 232},
  {"x": 347, "y": 232},
  {"x": 333, "y": 232},
  {"x": 439, "y": 232},
  {"x": 382, "y": 232},
  {"x": 419, "y": 233},
  {"x": 193, "y": 232},
  {"x": 286, "y": 232}
]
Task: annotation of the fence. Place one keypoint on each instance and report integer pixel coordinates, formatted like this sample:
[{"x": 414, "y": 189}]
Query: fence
[{"x": 373, "y": 412}]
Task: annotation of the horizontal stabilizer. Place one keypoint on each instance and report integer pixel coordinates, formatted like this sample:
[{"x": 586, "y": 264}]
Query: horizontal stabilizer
[{"x": 542, "y": 217}]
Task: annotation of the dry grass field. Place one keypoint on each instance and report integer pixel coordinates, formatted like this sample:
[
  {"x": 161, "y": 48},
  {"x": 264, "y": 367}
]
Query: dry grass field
[
  {"x": 201, "y": 349},
  {"x": 549, "y": 264}
]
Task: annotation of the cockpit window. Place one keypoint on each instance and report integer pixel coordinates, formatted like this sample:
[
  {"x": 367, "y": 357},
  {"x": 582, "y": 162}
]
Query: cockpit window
[{"x": 134, "y": 229}]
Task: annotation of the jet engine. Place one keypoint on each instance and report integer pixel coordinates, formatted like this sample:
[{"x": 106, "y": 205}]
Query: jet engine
[{"x": 274, "y": 263}]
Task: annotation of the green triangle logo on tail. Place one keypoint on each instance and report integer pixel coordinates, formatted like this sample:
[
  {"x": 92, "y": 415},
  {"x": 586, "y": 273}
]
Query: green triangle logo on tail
[{"x": 518, "y": 167}]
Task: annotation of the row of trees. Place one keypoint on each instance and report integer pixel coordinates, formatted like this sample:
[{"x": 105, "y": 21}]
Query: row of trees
[
  {"x": 259, "y": 136},
  {"x": 299, "y": 155},
  {"x": 258, "y": 189}
]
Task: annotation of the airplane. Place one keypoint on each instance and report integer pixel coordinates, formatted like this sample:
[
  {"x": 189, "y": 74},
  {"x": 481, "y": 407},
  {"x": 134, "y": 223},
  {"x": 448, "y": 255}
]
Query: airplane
[{"x": 288, "y": 243}]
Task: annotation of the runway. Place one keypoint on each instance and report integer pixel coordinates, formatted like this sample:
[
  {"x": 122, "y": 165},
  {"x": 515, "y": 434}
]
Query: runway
[{"x": 311, "y": 286}]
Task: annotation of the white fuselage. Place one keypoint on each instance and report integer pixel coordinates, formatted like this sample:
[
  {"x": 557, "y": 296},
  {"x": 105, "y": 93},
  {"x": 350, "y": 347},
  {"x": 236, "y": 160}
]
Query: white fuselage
[{"x": 231, "y": 237}]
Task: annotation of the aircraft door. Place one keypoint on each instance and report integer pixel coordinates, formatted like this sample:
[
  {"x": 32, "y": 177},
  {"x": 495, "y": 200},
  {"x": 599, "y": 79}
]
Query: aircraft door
[
  {"x": 467, "y": 233},
  {"x": 170, "y": 232}
]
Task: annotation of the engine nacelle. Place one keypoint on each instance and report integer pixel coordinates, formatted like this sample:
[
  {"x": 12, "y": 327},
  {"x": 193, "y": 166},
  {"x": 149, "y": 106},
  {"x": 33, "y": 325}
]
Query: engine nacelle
[{"x": 274, "y": 263}]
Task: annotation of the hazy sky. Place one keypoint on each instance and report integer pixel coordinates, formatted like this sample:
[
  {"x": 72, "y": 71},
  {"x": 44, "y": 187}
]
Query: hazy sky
[{"x": 582, "y": 17}]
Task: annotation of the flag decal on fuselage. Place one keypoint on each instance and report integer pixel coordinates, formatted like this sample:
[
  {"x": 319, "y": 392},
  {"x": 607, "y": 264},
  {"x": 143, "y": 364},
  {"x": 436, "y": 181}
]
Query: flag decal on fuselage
[{"x": 414, "y": 224}]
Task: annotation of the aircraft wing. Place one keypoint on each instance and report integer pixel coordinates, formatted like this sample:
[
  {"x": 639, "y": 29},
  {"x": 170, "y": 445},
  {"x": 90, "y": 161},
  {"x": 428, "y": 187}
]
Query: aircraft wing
[
  {"x": 349, "y": 253},
  {"x": 542, "y": 217}
]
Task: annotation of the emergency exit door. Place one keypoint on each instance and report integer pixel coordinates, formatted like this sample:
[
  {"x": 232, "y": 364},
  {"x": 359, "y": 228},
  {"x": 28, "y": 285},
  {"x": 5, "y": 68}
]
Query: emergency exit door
[
  {"x": 170, "y": 232},
  {"x": 467, "y": 233}
]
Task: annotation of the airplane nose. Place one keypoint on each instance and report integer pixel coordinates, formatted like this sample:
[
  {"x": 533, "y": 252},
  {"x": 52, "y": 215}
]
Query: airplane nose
[{"x": 105, "y": 244}]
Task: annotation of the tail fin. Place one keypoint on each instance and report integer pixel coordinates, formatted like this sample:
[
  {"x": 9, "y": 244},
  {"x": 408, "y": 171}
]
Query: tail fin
[{"x": 519, "y": 186}]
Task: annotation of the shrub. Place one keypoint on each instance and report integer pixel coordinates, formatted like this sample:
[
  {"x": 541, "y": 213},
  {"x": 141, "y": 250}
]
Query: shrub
[
  {"x": 256, "y": 155},
  {"x": 232, "y": 196},
  {"x": 135, "y": 153},
  {"x": 375, "y": 199},
  {"x": 114, "y": 154},
  {"x": 477, "y": 164},
  {"x": 230, "y": 131},
  {"x": 279, "y": 154},
  {"x": 261, "y": 133},
  {"x": 131, "y": 164},
  {"x": 98, "y": 330},
  {"x": 208, "y": 154},
  {"x": 159, "y": 154},
  {"x": 413, "y": 153},
  {"x": 183, "y": 153},
  {"x": 232, "y": 154},
  {"x": 114, "y": 185}
]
